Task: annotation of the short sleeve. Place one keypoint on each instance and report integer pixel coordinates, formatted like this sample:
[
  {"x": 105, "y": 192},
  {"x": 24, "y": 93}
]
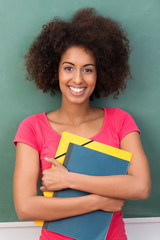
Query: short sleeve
[
  {"x": 26, "y": 134},
  {"x": 127, "y": 125}
]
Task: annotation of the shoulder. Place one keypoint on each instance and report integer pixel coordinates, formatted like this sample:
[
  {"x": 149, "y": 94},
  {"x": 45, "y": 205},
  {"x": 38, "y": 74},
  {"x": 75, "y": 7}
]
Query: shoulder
[
  {"x": 33, "y": 119},
  {"x": 118, "y": 116},
  {"x": 121, "y": 121},
  {"x": 116, "y": 113},
  {"x": 29, "y": 131},
  {"x": 33, "y": 124}
]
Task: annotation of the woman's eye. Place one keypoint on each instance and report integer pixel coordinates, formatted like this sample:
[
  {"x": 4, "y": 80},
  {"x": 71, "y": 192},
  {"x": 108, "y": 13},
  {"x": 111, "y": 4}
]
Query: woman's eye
[
  {"x": 87, "y": 70},
  {"x": 68, "y": 68}
]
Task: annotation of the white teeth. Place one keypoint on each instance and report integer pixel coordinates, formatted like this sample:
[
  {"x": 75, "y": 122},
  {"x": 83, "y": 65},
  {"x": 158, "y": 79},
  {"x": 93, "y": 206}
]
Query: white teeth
[{"x": 77, "y": 90}]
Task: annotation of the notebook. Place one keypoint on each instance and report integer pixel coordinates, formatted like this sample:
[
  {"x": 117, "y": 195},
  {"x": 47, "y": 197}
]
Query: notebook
[
  {"x": 92, "y": 225},
  {"x": 67, "y": 138}
]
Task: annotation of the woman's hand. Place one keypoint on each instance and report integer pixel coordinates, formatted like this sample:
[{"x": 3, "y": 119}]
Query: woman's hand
[
  {"x": 55, "y": 178},
  {"x": 110, "y": 204}
]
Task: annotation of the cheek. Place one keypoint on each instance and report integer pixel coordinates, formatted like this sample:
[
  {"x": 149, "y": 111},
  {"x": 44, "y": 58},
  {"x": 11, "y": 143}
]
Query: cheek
[
  {"x": 61, "y": 86},
  {"x": 93, "y": 80},
  {"x": 62, "y": 79}
]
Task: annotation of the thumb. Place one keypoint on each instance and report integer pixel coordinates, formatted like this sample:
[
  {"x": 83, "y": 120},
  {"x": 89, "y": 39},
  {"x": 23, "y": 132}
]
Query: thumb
[
  {"x": 53, "y": 161},
  {"x": 42, "y": 188}
]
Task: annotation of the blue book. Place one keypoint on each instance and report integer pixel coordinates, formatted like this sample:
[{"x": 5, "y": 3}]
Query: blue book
[{"x": 87, "y": 161}]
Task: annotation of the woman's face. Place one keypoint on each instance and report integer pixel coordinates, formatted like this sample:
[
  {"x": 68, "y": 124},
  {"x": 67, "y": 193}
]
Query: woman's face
[{"x": 77, "y": 75}]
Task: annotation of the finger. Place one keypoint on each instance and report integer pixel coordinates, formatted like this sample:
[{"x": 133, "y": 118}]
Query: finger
[
  {"x": 42, "y": 188},
  {"x": 53, "y": 161}
]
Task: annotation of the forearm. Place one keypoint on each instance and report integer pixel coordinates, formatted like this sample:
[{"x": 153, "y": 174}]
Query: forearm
[
  {"x": 47, "y": 209},
  {"x": 119, "y": 186},
  {"x": 135, "y": 185}
]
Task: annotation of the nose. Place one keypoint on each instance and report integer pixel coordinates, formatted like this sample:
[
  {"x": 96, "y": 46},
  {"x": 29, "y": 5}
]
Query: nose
[{"x": 77, "y": 78}]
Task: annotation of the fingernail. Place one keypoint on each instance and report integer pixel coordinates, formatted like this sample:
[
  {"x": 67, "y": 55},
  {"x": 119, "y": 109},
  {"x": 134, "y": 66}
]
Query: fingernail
[{"x": 46, "y": 158}]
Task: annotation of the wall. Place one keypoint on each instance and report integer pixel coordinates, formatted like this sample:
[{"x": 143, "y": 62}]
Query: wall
[
  {"x": 136, "y": 228},
  {"x": 20, "y": 22}
]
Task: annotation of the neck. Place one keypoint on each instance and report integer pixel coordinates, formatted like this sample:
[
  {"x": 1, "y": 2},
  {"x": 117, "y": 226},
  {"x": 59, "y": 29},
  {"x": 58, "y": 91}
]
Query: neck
[{"x": 75, "y": 113}]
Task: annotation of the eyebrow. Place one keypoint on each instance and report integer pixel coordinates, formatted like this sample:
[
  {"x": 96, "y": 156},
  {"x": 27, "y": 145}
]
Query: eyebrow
[{"x": 83, "y": 65}]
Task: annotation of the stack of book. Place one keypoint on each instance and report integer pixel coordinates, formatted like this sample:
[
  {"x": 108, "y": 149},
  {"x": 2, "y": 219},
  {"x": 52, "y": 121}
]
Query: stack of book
[{"x": 85, "y": 156}]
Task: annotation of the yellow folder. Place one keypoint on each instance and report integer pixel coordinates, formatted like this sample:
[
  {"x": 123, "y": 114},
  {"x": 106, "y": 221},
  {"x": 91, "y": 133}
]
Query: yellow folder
[{"x": 67, "y": 138}]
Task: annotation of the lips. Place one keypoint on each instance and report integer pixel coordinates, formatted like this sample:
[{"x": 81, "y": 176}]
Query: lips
[{"x": 77, "y": 89}]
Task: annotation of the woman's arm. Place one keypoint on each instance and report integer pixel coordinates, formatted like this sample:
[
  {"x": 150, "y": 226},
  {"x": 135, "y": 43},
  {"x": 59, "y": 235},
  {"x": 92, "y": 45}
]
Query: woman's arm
[
  {"x": 29, "y": 206},
  {"x": 135, "y": 185}
]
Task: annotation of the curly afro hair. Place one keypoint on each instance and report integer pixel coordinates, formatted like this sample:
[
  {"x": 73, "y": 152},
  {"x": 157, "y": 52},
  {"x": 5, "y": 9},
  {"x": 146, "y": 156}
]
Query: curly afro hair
[{"x": 102, "y": 36}]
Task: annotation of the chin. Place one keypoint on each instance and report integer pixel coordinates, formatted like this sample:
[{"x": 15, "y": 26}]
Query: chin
[{"x": 76, "y": 100}]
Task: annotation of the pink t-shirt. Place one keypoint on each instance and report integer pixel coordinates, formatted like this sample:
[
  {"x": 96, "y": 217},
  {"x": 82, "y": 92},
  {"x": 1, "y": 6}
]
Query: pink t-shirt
[{"x": 37, "y": 132}]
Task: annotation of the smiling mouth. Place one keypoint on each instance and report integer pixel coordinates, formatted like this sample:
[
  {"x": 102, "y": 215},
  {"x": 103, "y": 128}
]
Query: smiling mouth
[{"x": 76, "y": 90}]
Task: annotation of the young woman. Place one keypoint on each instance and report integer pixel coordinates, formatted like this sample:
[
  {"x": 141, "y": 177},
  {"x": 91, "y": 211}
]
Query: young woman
[{"x": 83, "y": 58}]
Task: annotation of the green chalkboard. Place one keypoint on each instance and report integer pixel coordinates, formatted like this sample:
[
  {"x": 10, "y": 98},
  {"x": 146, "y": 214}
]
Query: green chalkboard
[{"x": 20, "y": 22}]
